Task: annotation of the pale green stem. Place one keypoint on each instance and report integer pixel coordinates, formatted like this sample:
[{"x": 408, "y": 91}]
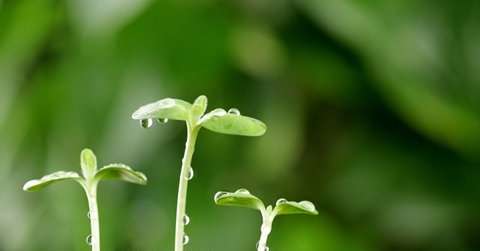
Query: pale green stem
[
  {"x": 91, "y": 190},
  {"x": 192, "y": 133},
  {"x": 265, "y": 231}
]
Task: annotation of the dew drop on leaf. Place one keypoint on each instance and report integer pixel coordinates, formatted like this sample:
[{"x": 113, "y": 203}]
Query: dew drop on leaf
[
  {"x": 218, "y": 112},
  {"x": 162, "y": 121},
  {"x": 234, "y": 111},
  {"x": 218, "y": 195},
  {"x": 307, "y": 205},
  {"x": 146, "y": 123},
  {"x": 281, "y": 201},
  {"x": 242, "y": 191}
]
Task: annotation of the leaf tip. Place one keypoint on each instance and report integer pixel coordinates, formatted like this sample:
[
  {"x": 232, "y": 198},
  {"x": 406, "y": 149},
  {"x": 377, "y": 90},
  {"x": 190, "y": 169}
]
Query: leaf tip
[
  {"x": 88, "y": 162},
  {"x": 28, "y": 186},
  {"x": 143, "y": 178}
]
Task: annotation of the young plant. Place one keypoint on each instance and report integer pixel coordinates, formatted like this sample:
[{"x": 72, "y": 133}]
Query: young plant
[
  {"x": 243, "y": 198},
  {"x": 89, "y": 180},
  {"x": 218, "y": 120}
]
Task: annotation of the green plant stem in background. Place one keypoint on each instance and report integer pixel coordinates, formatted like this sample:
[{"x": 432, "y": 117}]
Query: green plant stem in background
[
  {"x": 180, "y": 237},
  {"x": 218, "y": 120}
]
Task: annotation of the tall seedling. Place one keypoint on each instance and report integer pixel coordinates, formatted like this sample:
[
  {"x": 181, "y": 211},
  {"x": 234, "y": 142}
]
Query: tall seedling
[{"x": 218, "y": 120}]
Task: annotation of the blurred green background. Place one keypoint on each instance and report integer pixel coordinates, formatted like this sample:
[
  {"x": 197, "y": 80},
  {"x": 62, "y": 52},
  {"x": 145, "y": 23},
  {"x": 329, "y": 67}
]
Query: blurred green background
[{"x": 373, "y": 110}]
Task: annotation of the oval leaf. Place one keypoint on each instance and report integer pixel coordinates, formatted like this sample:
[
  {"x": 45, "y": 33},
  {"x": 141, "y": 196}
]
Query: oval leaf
[
  {"x": 37, "y": 184},
  {"x": 240, "y": 198},
  {"x": 199, "y": 107},
  {"x": 168, "y": 108},
  {"x": 292, "y": 207},
  {"x": 88, "y": 163},
  {"x": 121, "y": 172},
  {"x": 233, "y": 123}
]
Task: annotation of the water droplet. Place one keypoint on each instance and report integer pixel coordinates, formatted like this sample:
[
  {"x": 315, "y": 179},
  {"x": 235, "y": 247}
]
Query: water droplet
[
  {"x": 162, "y": 121},
  {"x": 281, "y": 201},
  {"x": 218, "y": 195},
  {"x": 186, "y": 220},
  {"x": 88, "y": 214},
  {"x": 307, "y": 205},
  {"x": 242, "y": 191},
  {"x": 190, "y": 174},
  {"x": 186, "y": 239},
  {"x": 234, "y": 111},
  {"x": 88, "y": 240},
  {"x": 218, "y": 112},
  {"x": 146, "y": 123}
]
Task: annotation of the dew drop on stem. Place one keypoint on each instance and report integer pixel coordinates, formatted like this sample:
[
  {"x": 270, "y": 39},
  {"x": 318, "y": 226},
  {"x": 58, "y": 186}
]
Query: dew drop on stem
[
  {"x": 190, "y": 174},
  {"x": 186, "y": 220},
  {"x": 146, "y": 123},
  {"x": 186, "y": 239},
  {"x": 88, "y": 239}
]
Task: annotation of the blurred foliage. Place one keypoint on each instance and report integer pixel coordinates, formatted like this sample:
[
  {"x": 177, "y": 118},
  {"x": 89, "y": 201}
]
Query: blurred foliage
[{"x": 373, "y": 110}]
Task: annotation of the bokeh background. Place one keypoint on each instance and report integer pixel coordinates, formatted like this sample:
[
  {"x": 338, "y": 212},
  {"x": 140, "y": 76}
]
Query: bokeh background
[{"x": 373, "y": 110}]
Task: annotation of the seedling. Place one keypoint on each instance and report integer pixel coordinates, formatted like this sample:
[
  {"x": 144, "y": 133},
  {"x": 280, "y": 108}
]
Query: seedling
[
  {"x": 243, "y": 198},
  {"x": 89, "y": 180},
  {"x": 218, "y": 120}
]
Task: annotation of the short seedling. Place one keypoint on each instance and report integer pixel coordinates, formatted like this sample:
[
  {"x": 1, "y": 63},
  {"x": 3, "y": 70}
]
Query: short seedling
[
  {"x": 218, "y": 120},
  {"x": 243, "y": 198},
  {"x": 89, "y": 181}
]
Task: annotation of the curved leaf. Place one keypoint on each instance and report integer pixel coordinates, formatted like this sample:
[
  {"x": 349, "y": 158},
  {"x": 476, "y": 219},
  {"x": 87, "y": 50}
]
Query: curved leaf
[
  {"x": 121, "y": 172},
  {"x": 168, "y": 108},
  {"x": 291, "y": 207},
  {"x": 88, "y": 163},
  {"x": 240, "y": 198},
  {"x": 37, "y": 184},
  {"x": 199, "y": 107},
  {"x": 233, "y": 123}
]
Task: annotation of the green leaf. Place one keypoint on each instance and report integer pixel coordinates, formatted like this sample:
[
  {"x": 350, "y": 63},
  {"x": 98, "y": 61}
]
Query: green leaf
[
  {"x": 199, "y": 107},
  {"x": 168, "y": 108},
  {"x": 37, "y": 184},
  {"x": 291, "y": 207},
  {"x": 232, "y": 122},
  {"x": 88, "y": 163},
  {"x": 240, "y": 198},
  {"x": 121, "y": 172}
]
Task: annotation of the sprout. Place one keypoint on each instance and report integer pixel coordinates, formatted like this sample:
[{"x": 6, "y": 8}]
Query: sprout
[
  {"x": 218, "y": 120},
  {"x": 243, "y": 198},
  {"x": 89, "y": 180}
]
